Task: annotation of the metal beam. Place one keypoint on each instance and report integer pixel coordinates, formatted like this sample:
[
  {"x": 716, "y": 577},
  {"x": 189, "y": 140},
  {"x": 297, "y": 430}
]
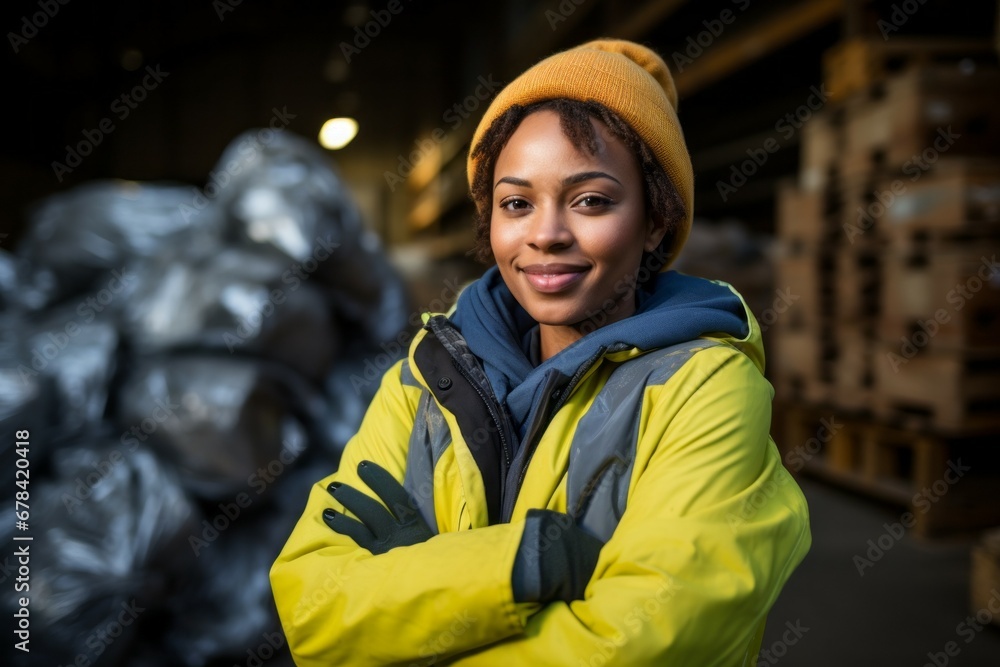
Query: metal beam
[
  {"x": 647, "y": 17},
  {"x": 731, "y": 55},
  {"x": 549, "y": 25}
]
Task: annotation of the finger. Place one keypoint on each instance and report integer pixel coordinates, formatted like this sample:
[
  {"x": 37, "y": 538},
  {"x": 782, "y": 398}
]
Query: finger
[
  {"x": 388, "y": 489},
  {"x": 352, "y": 528},
  {"x": 376, "y": 518}
]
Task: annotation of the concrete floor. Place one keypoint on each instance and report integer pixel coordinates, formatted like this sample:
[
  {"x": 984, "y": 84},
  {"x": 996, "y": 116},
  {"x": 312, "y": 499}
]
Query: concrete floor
[{"x": 908, "y": 604}]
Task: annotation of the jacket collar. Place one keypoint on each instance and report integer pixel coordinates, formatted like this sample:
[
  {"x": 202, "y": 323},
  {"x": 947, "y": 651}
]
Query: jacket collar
[{"x": 676, "y": 309}]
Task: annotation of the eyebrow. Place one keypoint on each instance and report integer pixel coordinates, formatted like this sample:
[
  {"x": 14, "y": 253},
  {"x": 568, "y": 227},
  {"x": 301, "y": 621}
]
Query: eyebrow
[
  {"x": 513, "y": 181},
  {"x": 569, "y": 180},
  {"x": 588, "y": 175}
]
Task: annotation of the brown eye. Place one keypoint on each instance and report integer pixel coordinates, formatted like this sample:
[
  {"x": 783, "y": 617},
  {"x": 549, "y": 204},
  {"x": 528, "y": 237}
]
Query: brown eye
[
  {"x": 514, "y": 204},
  {"x": 591, "y": 201}
]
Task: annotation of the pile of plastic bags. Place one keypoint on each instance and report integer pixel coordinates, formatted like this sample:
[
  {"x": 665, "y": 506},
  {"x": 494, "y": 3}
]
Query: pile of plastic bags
[{"x": 187, "y": 362}]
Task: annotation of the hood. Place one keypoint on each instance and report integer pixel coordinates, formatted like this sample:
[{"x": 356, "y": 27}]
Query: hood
[{"x": 676, "y": 308}]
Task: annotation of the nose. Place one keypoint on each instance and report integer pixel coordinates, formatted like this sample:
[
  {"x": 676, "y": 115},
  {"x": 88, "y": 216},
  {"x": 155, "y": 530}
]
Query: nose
[{"x": 548, "y": 230}]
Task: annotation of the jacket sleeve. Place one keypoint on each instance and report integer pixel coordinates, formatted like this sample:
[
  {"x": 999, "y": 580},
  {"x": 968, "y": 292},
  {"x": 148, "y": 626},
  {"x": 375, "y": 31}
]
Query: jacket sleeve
[
  {"x": 713, "y": 528},
  {"x": 340, "y": 605}
]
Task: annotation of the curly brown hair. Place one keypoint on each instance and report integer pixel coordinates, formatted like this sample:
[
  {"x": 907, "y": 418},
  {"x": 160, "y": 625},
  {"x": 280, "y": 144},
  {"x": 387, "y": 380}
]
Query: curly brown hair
[{"x": 662, "y": 200}]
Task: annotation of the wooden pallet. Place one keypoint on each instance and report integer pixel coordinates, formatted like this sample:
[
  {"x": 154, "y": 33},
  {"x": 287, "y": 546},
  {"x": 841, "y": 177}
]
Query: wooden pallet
[
  {"x": 803, "y": 363},
  {"x": 940, "y": 110},
  {"x": 867, "y": 133},
  {"x": 915, "y": 470},
  {"x": 801, "y": 224},
  {"x": 854, "y": 369},
  {"x": 984, "y": 581},
  {"x": 942, "y": 295},
  {"x": 958, "y": 198},
  {"x": 955, "y": 392},
  {"x": 857, "y": 65},
  {"x": 822, "y": 144},
  {"x": 857, "y": 286},
  {"x": 896, "y": 134},
  {"x": 810, "y": 273}
]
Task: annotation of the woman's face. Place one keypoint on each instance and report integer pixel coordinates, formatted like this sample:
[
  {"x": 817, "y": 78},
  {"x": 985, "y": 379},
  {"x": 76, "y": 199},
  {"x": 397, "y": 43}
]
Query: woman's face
[{"x": 568, "y": 228}]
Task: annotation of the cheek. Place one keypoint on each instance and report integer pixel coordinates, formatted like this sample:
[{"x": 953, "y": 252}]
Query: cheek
[
  {"x": 618, "y": 244},
  {"x": 502, "y": 241}
]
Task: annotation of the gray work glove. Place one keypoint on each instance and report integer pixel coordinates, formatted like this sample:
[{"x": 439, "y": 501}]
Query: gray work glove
[
  {"x": 555, "y": 559},
  {"x": 379, "y": 529}
]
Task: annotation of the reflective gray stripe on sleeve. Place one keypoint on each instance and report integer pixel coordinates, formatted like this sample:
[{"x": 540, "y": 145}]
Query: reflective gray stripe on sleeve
[
  {"x": 406, "y": 376},
  {"x": 603, "y": 450},
  {"x": 428, "y": 440}
]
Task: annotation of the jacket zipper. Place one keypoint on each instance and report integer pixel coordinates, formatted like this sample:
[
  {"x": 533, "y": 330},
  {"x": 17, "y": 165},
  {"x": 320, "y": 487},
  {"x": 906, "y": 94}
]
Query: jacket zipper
[
  {"x": 494, "y": 408},
  {"x": 491, "y": 405},
  {"x": 563, "y": 397}
]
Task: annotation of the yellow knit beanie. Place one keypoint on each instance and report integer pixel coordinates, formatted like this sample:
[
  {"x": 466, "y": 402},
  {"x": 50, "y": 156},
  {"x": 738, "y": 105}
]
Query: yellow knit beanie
[{"x": 628, "y": 78}]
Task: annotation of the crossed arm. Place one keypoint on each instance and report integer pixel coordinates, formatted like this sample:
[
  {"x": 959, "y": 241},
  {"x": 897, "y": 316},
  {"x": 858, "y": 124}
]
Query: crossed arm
[{"x": 713, "y": 528}]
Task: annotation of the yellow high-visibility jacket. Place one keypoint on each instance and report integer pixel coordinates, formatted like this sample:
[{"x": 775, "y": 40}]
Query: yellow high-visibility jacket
[{"x": 665, "y": 454}]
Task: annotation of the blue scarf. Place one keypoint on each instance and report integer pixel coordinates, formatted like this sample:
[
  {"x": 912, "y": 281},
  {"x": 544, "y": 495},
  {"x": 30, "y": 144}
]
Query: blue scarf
[{"x": 676, "y": 308}]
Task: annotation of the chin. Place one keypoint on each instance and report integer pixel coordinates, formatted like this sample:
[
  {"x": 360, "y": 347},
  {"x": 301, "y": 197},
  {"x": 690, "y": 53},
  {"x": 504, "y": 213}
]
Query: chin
[{"x": 555, "y": 316}]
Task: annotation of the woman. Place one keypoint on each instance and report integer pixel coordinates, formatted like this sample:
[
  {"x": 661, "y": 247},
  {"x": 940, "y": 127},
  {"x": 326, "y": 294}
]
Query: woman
[{"x": 574, "y": 466}]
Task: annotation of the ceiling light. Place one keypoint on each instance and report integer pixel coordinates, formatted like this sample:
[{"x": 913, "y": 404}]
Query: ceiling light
[{"x": 337, "y": 133}]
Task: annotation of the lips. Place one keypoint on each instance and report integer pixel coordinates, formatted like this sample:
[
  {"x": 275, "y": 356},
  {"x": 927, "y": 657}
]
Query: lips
[{"x": 550, "y": 278}]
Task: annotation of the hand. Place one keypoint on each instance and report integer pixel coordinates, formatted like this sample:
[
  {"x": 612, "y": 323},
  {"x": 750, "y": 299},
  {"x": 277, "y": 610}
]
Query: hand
[
  {"x": 554, "y": 560},
  {"x": 379, "y": 529}
]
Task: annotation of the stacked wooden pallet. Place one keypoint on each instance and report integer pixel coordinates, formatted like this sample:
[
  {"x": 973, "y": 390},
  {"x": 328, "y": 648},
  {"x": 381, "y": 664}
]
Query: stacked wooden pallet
[
  {"x": 984, "y": 586},
  {"x": 891, "y": 238}
]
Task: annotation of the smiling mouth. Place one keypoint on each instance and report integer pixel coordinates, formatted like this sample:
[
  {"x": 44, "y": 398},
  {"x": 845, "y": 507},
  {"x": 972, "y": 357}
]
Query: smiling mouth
[{"x": 551, "y": 279}]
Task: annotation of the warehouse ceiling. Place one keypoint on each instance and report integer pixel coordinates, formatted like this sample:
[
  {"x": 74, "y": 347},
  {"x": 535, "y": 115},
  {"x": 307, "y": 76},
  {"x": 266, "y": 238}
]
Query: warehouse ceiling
[{"x": 400, "y": 67}]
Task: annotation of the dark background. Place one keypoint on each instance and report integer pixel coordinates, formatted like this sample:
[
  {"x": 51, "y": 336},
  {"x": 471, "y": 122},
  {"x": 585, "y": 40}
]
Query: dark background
[{"x": 231, "y": 65}]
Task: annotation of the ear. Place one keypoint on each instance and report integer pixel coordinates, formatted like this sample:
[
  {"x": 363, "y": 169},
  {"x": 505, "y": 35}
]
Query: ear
[{"x": 656, "y": 229}]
